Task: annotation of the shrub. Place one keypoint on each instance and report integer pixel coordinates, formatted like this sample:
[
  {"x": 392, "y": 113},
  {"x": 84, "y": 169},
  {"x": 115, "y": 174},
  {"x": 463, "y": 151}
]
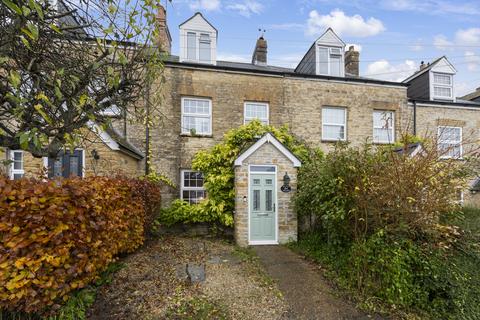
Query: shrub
[
  {"x": 57, "y": 236},
  {"x": 217, "y": 167}
]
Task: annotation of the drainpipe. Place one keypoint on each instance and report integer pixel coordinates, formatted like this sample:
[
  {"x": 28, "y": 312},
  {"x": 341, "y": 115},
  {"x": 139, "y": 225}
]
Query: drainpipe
[
  {"x": 414, "y": 117},
  {"x": 147, "y": 129}
]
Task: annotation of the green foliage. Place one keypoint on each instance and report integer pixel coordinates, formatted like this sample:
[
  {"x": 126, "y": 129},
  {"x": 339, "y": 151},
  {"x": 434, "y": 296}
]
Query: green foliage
[
  {"x": 57, "y": 236},
  {"x": 217, "y": 167},
  {"x": 386, "y": 226}
]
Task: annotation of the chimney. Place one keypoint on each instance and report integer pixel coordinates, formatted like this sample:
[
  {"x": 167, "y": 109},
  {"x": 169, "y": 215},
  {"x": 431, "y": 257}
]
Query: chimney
[
  {"x": 352, "y": 61},
  {"x": 260, "y": 53},
  {"x": 423, "y": 65},
  {"x": 164, "y": 40}
]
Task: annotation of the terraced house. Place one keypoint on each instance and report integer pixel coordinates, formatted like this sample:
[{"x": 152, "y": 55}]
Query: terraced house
[{"x": 323, "y": 100}]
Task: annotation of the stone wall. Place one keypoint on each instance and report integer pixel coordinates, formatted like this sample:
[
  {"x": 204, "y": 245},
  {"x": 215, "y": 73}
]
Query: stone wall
[
  {"x": 296, "y": 102},
  {"x": 287, "y": 218}
]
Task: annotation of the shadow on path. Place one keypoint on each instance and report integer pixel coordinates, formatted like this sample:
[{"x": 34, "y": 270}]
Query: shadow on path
[{"x": 307, "y": 293}]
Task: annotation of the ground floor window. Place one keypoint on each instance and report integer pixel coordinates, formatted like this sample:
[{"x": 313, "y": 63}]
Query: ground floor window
[
  {"x": 16, "y": 165},
  {"x": 192, "y": 189},
  {"x": 450, "y": 142},
  {"x": 66, "y": 164}
]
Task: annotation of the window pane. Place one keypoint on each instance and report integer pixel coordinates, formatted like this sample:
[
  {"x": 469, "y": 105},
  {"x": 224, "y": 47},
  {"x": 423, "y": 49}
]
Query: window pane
[
  {"x": 193, "y": 196},
  {"x": 333, "y": 132},
  {"x": 442, "y": 91},
  {"x": 382, "y": 135},
  {"x": 18, "y": 160},
  {"x": 74, "y": 168},
  {"x": 268, "y": 200},
  {"x": 323, "y": 60},
  {"x": 442, "y": 79},
  {"x": 450, "y": 142},
  {"x": 256, "y": 200},
  {"x": 200, "y": 107},
  {"x": 335, "y": 65},
  {"x": 256, "y": 111},
  {"x": 58, "y": 167},
  {"x": 262, "y": 169},
  {"x": 191, "y": 46},
  {"x": 333, "y": 115},
  {"x": 17, "y": 176},
  {"x": 200, "y": 124},
  {"x": 205, "y": 48}
]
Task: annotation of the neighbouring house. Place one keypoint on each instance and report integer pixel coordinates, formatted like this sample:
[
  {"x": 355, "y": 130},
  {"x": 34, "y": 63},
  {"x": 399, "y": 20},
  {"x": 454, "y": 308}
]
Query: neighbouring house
[
  {"x": 473, "y": 96},
  {"x": 436, "y": 112},
  {"x": 101, "y": 152},
  {"x": 323, "y": 100}
]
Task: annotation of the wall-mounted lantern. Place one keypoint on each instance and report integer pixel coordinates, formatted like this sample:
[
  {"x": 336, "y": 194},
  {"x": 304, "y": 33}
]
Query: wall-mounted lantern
[
  {"x": 95, "y": 154},
  {"x": 286, "y": 183}
]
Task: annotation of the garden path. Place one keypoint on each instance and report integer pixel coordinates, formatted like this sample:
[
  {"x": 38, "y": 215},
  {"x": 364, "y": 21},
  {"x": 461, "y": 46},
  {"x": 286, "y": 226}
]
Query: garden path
[{"x": 308, "y": 294}]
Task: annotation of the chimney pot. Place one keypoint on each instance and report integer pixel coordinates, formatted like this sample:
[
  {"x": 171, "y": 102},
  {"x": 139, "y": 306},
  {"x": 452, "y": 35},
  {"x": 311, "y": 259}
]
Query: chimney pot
[
  {"x": 259, "y": 56},
  {"x": 352, "y": 61},
  {"x": 164, "y": 40}
]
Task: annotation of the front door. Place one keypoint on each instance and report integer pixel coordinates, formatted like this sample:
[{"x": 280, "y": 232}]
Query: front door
[{"x": 262, "y": 208}]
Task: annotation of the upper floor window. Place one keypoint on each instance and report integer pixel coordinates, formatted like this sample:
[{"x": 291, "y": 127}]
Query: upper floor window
[
  {"x": 192, "y": 189},
  {"x": 199, "y": 47},
  {"x": 330, "y": 61},
  {"x": 449, "y": 141},
  {"x": 334, "y": 123},
  {"x": 256, "y": 110},
  {"x": 383, "y": 126},
  {"x": 196, "y": 116},
  {"x": 442, "y": 86},
  {"x": 16, "y": 166}
]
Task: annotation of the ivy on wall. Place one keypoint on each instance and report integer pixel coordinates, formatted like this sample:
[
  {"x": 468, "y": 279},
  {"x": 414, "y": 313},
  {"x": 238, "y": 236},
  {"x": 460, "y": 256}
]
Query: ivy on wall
[{"x": 217, "y": 167}]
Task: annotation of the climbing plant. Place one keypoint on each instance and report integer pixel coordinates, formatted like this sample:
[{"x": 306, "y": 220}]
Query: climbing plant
[{"x": 217, "y": 167}]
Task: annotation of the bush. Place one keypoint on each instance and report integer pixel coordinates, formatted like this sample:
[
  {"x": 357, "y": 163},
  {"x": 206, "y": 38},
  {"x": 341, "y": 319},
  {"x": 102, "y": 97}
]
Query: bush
[
  {"x": 57, "y": 236},
  {"x": 218, "y": 170}
]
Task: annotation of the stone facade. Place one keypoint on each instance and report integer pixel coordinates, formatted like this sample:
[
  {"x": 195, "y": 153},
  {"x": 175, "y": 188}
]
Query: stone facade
[
  {"x": 293, "y": 101},
  {"x": 287, "y": 218},
  {"x": 110, "y": 162}
]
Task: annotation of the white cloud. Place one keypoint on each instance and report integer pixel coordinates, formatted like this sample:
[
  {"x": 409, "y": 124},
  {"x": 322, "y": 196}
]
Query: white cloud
[
  {"x": 473, "y": 60},
  {"x": 356, "y": 47},
  {"x": 433, "y": 6},
  {"x": 442, "y": 43},
  {"x": 342, "y": 24},
  {"x": 382, "y": 69},
  {"x": 468, "y": 37},
  {"x": 207, "y": 5},
  {"x": 247, "y": 8}
]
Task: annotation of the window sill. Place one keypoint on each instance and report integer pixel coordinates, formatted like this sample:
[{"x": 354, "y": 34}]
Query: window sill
[
  {"x": 188, "y": 135},
  {"x": 333, "y": 141}
]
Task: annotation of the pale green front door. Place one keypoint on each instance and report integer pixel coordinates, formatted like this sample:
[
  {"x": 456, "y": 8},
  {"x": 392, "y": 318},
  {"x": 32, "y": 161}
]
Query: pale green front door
[{"x": 262, "y": 208}]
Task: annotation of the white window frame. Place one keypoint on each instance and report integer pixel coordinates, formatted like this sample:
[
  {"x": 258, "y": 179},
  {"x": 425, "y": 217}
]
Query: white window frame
[
  {"x": 335, "y": 124},
  {"x": 184, "y": 129},
  {"x": 198, "y": 35},
  {"x": 248, "y": 119},
  {"x": 13, "y": 171},
  {"x": 182, "y": 183},
  {"x": 440, "y": 85},
  {"x": 330, "y": 53},
  {"x": 392, "y": 129},
  {"x": 452, "y": 143}
]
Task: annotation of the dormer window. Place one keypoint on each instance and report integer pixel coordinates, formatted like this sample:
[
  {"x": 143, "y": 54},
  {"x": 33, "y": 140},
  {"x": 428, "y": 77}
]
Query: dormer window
[
  {"x": 330, "y": 61},
  {"x": 442, "y": 86},
  {"x": 198, "y": 41}
]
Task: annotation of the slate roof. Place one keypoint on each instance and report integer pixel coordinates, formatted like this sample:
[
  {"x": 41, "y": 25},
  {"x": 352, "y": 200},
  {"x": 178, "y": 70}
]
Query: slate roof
[
  {"x": 472, "y": 96},
  {"x": 125, "y": 146},
  {"x": 274, "y": 70}
]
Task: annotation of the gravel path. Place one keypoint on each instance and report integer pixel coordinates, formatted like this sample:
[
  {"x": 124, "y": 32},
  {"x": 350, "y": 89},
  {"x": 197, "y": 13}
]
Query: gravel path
[
  {"x": 149, "y": 287},
  {"x": 307, "y": 293}
]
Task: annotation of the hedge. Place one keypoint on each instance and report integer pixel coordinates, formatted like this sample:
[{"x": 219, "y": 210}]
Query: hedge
[{"x": 57, "y": 236}]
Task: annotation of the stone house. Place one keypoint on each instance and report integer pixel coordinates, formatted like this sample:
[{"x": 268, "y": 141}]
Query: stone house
[{"x": 323, "y": 100}]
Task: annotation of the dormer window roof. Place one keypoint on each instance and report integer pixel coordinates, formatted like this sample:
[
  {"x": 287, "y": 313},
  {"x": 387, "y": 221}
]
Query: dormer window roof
[
  {"x": 325, "y": 57},
  {"x": 198, "y": 40},
  {"x": 433, "y": 81}
]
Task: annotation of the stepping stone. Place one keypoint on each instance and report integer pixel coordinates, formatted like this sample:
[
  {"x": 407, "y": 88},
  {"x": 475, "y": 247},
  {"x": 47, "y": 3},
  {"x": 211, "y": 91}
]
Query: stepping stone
[
  {"x": 215, "y": 260},
  {"x": 196, "y": 273},
  {"x": 181, "y": 272}
]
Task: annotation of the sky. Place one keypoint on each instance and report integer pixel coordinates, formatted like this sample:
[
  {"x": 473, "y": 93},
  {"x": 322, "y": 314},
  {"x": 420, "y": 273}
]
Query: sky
[{"x": 393, "y": 36}]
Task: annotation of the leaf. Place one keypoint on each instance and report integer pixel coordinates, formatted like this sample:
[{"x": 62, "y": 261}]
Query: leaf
[
  {"x": 15, "y": 79},
  {"x": 12, "y": 6},
  {"x": 55, "y": 28}
]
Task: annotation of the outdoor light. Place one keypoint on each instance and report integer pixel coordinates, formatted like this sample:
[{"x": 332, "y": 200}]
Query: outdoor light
[
  {"x": 286, "y": 183},
  {"x": 95, "y": 154}
]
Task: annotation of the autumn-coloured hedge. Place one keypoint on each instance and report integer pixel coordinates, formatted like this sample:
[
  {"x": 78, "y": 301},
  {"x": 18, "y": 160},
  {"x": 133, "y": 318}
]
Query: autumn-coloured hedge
[{"x": 56, "y": 236}]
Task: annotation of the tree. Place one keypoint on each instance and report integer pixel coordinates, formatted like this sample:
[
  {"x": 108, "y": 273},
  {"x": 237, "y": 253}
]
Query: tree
[{"x": 64, "y": 63}]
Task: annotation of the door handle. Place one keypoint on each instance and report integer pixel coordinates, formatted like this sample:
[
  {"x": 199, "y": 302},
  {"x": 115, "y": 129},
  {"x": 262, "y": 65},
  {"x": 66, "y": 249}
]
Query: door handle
[{"x": 274, "y": 207}]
